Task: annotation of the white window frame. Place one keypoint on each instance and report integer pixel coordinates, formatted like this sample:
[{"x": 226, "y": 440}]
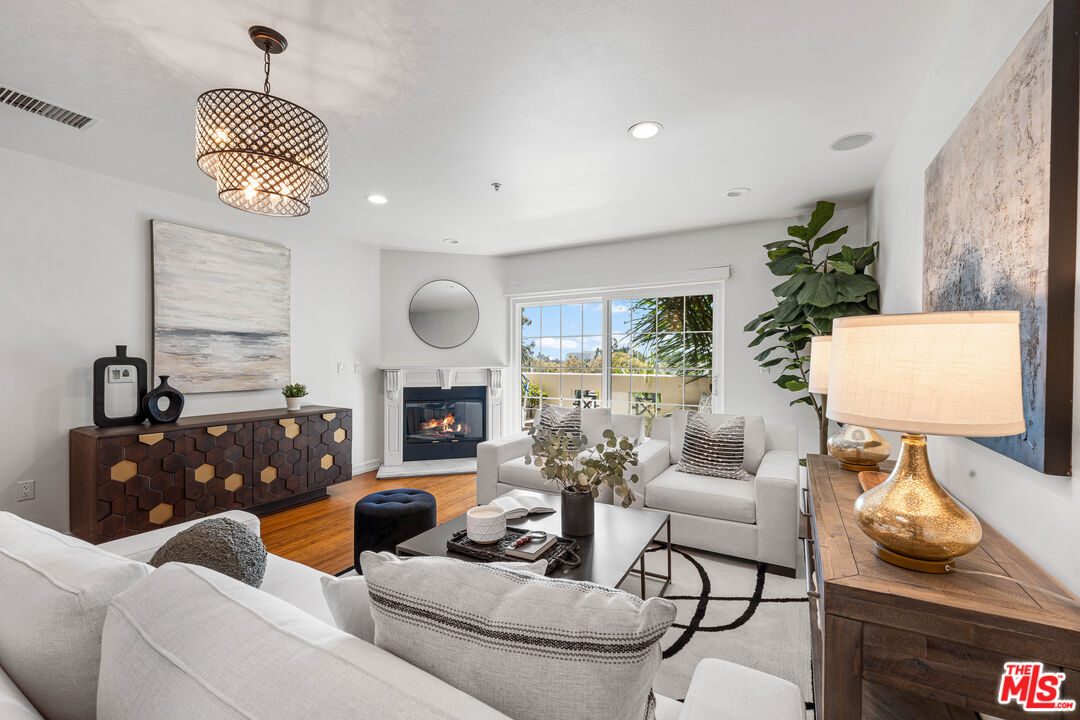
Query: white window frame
[{"x": 715, "y": 287}]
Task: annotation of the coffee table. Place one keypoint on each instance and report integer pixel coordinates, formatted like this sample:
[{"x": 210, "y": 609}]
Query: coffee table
[{"x": 612, "y": 553}]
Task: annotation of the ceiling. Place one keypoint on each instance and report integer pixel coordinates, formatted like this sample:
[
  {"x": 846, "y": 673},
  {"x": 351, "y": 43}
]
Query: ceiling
[{"x": 430, "y": 102}]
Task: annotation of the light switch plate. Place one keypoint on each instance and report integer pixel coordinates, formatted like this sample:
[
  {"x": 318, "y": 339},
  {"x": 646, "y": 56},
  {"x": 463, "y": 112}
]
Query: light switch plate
[{"x": 343, "y": 368}]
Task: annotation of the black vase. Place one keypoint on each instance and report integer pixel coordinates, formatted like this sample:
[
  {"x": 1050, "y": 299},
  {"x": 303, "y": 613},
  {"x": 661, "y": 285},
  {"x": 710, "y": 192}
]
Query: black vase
[
  {"x": 119, "y": 373},
  {"x": 577, "y": 513},
  {"x": 153, "y": 412}
]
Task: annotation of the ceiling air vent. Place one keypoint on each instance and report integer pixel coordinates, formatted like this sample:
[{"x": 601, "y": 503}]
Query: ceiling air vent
[{"x": 45, "y": 109}]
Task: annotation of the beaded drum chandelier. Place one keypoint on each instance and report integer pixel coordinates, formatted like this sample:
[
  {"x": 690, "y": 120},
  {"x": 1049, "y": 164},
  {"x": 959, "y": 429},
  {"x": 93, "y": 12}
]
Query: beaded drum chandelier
[{"x": 268, "y": 155}]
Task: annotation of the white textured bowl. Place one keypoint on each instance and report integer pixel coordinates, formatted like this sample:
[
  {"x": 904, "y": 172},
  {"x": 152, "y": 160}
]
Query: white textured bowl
[{"x": 485, "y": 524}]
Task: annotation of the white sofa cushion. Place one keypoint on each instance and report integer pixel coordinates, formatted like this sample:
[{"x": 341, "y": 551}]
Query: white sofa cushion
[
  {"x": 594, "y": 421},
  {"x": 516, "y": 473},
  {"x": 533, "y": 647},
  {"x": 714, "y": 497},
  {"x": 298, "y": 585},
  {"x": 187, "y": 642},
  {"x": 53, "y": 593},
  {"x": 753, "y": 436},
  {"x": 13, "y": 704}
]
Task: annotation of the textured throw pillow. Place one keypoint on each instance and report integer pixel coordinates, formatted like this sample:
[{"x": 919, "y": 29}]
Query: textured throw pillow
[
  {"x": 350, "y": 605},
  {"x": 220, "y": 544},
  {"x": 532, "y": 647},
  {"x": 718, "y": 452},
  {"x": 555, "y": 419},
  {"x": 54, "y": 591}
]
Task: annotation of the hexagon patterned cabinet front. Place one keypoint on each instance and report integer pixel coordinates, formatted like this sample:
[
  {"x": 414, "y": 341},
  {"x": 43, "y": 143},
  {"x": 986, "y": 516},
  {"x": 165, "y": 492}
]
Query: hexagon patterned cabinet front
[
  {"x": 156, "y": 479},
  {"x": 124, "y": 484}
]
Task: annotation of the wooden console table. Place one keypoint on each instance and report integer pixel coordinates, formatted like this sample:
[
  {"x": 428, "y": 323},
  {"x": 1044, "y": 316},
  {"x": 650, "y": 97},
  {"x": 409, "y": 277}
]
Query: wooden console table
[
  {"x": 130, "y": 479},
  {"x": 893, "y": 643}
]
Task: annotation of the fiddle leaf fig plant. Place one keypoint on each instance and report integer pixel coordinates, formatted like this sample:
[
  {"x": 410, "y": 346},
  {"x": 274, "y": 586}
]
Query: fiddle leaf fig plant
[
  {"x": 559, "y": 456},
  {"x": 822, "y": 284}
]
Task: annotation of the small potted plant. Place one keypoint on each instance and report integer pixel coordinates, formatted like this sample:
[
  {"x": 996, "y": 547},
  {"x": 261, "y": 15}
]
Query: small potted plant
[
  {"x": 293, "y": 395},
  {"x": 581, "y": 475}
]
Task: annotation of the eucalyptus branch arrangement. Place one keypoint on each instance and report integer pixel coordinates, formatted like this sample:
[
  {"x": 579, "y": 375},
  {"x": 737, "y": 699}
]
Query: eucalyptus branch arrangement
[
  {"x": 559, "y": 456},
  {"x": 819, "y": 288}
]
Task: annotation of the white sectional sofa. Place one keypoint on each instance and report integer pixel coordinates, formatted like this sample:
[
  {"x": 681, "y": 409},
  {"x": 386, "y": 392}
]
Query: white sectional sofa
[
  {"x": 124, "y": 642},
  {"x": 756, "y": 518}
]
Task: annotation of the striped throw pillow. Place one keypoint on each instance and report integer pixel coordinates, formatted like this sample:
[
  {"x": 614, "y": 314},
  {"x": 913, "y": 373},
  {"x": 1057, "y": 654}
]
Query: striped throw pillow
[
  {"x": 532, "y": 647},
  {"x": 718, "y": 452},
  {"x": 565, "y": 420}
]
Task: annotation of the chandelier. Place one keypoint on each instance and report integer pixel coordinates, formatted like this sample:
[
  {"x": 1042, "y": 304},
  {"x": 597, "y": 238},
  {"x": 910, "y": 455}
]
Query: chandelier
[{"x": 268, "y": 155}]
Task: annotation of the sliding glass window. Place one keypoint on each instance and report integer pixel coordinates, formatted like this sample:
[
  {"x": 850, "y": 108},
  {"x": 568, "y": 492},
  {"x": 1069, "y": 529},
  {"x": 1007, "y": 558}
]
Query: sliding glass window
[{"x": 640, "y": 355}]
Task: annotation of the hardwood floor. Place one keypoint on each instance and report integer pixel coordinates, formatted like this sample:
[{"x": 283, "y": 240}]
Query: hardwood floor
[{"x": 320, "y": 534}]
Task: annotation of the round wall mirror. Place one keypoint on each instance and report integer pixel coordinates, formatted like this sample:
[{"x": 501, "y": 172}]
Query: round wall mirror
[{"x": 444, "y": 314}]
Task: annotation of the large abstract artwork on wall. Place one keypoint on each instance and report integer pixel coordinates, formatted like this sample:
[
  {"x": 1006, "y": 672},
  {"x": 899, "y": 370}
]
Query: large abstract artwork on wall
[
  {"x": 221, "y": 310},
  {"x": 1000, "y": 224}
]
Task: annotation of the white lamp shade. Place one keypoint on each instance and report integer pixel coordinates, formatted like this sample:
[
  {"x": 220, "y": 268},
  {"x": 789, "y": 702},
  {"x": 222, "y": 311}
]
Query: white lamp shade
[
  {"x": 820, "y": 350},
  {"x": 951, "y": 373}
]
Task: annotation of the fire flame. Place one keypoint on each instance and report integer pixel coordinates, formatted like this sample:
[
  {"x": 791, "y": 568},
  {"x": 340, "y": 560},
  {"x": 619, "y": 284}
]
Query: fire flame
[{"x": 444, "y": 424}]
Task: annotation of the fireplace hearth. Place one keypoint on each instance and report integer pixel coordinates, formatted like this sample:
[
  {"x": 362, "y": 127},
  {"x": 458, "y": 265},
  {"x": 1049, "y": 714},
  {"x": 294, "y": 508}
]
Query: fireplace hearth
[{"x": 440, "y": 424}]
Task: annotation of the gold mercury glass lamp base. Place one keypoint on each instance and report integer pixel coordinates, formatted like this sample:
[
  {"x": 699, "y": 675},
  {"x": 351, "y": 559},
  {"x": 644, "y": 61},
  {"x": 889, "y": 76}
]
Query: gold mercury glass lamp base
[
  {"x": 858, "y": 448},
  {"x": 914, "y": 522}
]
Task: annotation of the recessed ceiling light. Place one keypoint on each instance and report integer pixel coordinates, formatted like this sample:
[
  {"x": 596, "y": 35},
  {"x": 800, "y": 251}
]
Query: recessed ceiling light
[
  {"x": 377, "y": 199},
  {"x": 852, "y": 141},
  {"x": 450, "y": 241},
  {"x": 738, "y": 192},
  {"x": 645, "y": 130}
]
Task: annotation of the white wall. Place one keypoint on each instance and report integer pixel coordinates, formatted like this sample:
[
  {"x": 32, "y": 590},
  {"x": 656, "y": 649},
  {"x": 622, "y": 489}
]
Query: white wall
[
  {"x": 747, "y": 387},
  {"x": 402, "y": 273},
  {"x": 1036, "y": 512},
  {"x": 75, "y": 281}
]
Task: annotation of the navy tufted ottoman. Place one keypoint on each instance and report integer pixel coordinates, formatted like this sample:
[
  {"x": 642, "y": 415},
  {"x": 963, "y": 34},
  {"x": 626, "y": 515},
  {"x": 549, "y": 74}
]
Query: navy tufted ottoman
[{"x": 382, "y": 520}]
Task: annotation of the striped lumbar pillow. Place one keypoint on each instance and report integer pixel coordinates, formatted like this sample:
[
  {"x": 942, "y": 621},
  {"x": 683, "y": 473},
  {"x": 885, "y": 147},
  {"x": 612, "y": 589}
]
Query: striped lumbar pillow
[
  {"x": 555, "y": 419},
  {"x": 716, "y": 452},
  {"x": 532, "y": 647}
]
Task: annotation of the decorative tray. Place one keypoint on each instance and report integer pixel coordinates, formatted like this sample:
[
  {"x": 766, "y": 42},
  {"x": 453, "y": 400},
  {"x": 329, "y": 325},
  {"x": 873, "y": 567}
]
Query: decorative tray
[{"x": 563, "y": 552}]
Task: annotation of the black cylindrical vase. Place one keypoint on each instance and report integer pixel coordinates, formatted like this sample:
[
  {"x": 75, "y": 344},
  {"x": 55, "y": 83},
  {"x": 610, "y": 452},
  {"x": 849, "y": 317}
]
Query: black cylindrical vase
[
  {"x": 153, "y": 411},
  {"x": 577, "y": 513}
]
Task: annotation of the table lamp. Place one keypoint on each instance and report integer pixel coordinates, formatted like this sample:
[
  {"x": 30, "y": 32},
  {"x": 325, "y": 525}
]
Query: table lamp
[
  {"x": 950, "y": 373},
  {"x": 855, "y": 447}
]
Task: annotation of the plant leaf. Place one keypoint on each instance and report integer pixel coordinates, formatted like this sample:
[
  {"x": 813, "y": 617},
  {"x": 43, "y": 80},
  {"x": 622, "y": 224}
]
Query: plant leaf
[
  {"x": 797, "y": 231},
  {"x": 786, "y": 264},
  {"x": 792, "y": 284},
  {"x": 853, "y": 288},
  {"x": 822, "y": 214},
  {"x": 820, "y": 291},
  {"x": 842, "y": 267},
  {"x": 830, "y": 237},
  {"x": 787, "y": 311}
]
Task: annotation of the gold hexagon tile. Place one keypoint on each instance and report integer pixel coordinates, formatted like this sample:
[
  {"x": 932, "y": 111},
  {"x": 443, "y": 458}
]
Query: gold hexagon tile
[
  {"x": 217, "y": 430},
  {"x": 327, "y": 461},
  {"x": 268, "y": 475},
  {"x": 292, "y": 431},
  {"x": 329, "y": 416},
  {"x": 339, "y": 435},
  {"x": 286, "y": 422},
  {"x": 204, "y": 473},
  {"x": 233, "y": 482},
  {"x": 124, "y": 470},
  {"x": 151, "y": 438},
  {"x": 161, "y": 514}
]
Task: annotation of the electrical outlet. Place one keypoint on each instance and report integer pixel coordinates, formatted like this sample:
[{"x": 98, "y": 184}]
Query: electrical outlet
[
  {"x": 24, "y": 490},
  {"x": 356, "y": 368}
]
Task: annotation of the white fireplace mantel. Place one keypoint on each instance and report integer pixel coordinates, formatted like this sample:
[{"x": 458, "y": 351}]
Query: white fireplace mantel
[{"x": 396, "y": 378}]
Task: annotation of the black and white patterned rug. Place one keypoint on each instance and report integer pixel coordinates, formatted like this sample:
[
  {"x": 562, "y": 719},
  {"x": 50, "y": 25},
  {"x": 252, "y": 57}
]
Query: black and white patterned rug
[{"x": 733, "y": 610}]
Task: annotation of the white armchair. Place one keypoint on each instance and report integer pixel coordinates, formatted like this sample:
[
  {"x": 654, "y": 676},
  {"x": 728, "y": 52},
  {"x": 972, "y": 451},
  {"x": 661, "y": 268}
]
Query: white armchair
[{"x": 756, "y": 519}]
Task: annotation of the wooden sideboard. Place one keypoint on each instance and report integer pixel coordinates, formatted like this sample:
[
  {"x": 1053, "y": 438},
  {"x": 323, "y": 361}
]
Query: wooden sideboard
[
  {"x": 894, "y": 643},
  {"x": 130, "y": 479}
]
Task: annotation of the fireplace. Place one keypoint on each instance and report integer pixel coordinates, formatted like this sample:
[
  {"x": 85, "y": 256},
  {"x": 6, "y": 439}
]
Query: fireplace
[{"x": 440, "y": 424}]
